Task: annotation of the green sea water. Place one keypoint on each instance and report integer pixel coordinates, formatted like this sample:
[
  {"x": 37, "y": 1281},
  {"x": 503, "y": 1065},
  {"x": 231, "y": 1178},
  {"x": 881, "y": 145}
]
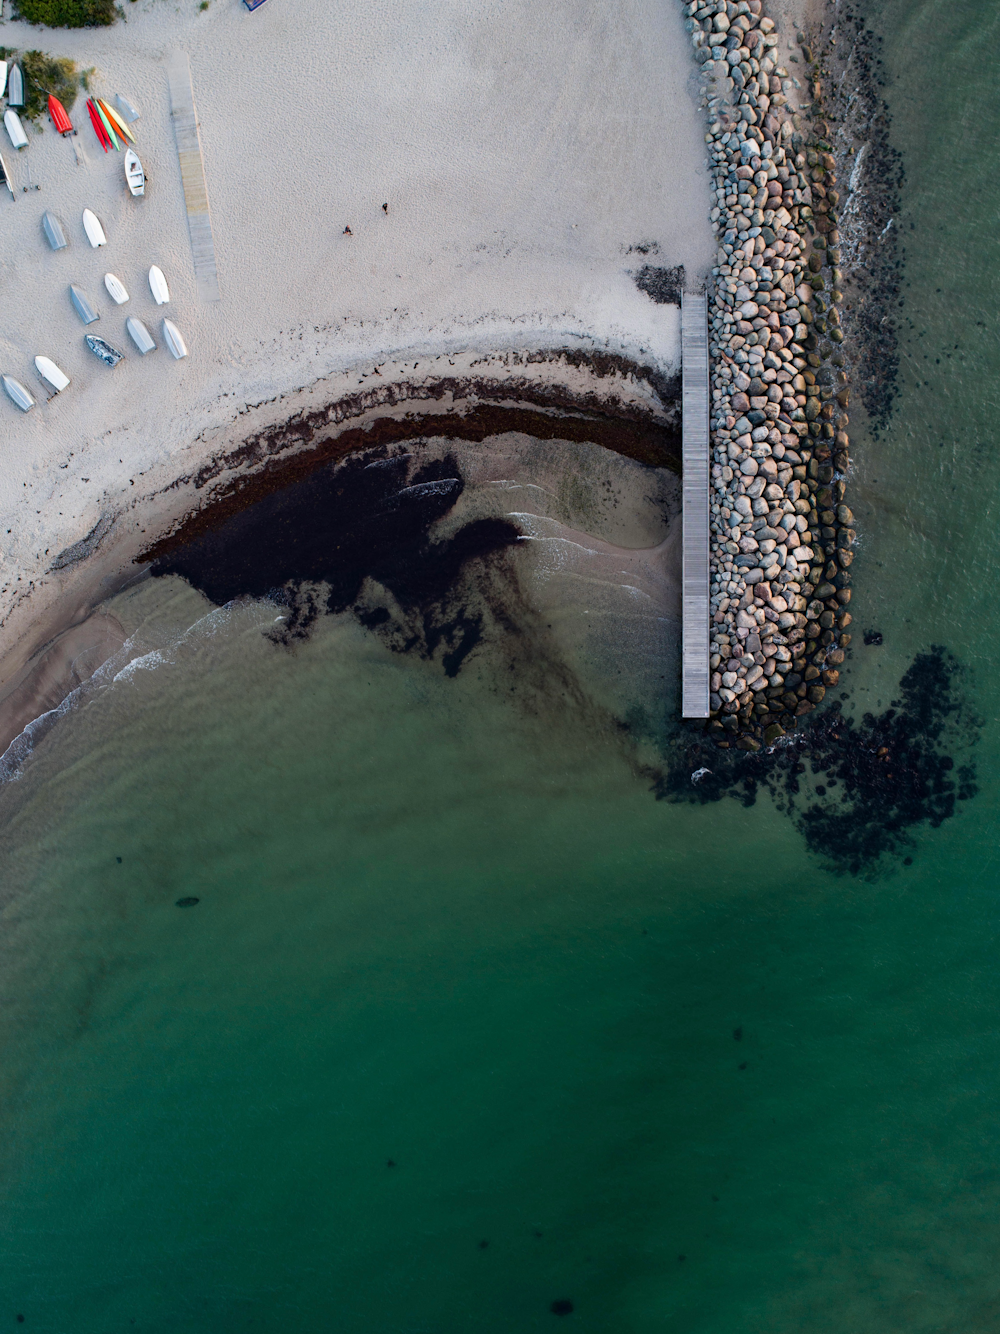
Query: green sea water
[{"x": 465, "y": 1023}]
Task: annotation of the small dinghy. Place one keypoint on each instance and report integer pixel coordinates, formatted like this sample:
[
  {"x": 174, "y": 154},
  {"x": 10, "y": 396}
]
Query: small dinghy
[
  {"x": 135, "y": 177},
  {"x": 3, "y": 76},
  {"x": 158, "y": 286},
  {"x": 53, "y": 230},
  {"x": 172, "y": 338},
  {"x": 140, "y": 335},
  {"x": 104, "y": 351},
  {"x": 84, "y": 306},
  {"x": 93, "y": 228},
  {"x": 5, "y": 174},
  {"x": 15, "y": 87},
  {"x": 14, "y": 128},
  {"x": 126, "y": 108},
  {"x": 17, "y": 393},
  {"x": 116, "y": 289},
  {"x": 51, "y": 373},
  {"x": 60, "y": 119}
]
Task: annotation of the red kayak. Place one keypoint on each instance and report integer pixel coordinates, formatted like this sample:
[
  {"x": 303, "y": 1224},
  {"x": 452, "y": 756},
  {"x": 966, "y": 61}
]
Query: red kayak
[
  {"x": 60, "y": 119},
  {"x": 99, "y": 130}
]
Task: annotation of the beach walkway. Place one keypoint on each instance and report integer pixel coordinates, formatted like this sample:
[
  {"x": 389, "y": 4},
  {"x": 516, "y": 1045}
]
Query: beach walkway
[
  {"x": 695, "y": 455},
  {"x": 192, "y": 174}
]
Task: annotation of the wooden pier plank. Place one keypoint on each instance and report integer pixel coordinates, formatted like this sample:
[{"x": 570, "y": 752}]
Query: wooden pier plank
[{"x": 695, "y": 481}]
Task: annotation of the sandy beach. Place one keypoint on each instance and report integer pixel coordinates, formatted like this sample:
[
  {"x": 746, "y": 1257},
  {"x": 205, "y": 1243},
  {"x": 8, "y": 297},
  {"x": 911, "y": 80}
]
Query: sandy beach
[{"x": 532, "y": 166}]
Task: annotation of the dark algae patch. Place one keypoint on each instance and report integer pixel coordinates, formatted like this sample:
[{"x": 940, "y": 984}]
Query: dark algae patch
[
  {"x": 325, "y": 542},
  {"x": 879, "y": 778}
]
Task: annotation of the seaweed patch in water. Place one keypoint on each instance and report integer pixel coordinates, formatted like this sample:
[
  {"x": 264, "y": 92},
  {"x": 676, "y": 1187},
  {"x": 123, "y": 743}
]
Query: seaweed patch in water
[
  {"x": 314, "y": 545},
  {"x": 880, "y": 777}
]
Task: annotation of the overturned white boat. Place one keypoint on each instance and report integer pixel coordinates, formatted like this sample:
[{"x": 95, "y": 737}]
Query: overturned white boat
[
  {"x": 158, "y": 286},
  {"x": 14, "y": 128},
  {"x": 53, "y": 230},
  {"x": 51, "y": 373},
  {"x": 172, "y": 338},
  {"x": 116, "y": 289},
  {"x": 135, "y": 177},
  {"x": 17, "y": 393},
  {"x": 140, "y": 335},
  {"x": 92, "y": 226},
  {"x": 84, "y": 306}
]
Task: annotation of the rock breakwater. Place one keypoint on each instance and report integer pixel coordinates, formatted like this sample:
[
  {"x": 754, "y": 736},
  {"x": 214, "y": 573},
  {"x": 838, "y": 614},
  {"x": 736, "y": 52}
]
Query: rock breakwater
[{"x": 781, "y": 532}]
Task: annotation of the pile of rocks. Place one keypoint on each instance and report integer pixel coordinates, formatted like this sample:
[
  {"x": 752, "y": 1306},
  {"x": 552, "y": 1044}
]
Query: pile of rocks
[{"x": 781, "y": 533}]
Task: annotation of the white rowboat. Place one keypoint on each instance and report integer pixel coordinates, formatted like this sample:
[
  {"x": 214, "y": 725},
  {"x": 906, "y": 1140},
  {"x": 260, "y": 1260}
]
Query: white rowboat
[
  {"x": 172, "y": 338},
  {"x": 51, "y": 373},
  {"x": 135, "y": 177},
  {"x": 3, "y": 76},
  {"x": 140, "y": 335},
  {"x": 17, "y": 393},
  {"x": 93, "y": 228},
  {"x": 158, "y": 286},
  {"x": 116, "y": 289},
  {"x": 14, "y": 128}
]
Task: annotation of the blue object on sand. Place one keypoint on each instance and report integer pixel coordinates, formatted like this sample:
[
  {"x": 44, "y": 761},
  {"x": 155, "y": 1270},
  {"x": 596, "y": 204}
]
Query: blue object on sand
[{"x": 252, "y": 4}]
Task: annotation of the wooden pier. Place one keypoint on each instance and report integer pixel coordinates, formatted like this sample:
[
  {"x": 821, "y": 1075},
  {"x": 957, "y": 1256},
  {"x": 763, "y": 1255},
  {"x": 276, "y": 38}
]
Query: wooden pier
[
  {"x": 695, "y": 457},
  {"x": 192, "y": 175}
]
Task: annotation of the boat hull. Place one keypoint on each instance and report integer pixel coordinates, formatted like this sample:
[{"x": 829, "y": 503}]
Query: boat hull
[
  {"x": 116, "y": 289},
  {"x": 92, "y": 226},
  {"x": 6, "y": 179},
  {"x": 103, "y": 351},
  {"x": 15, "y": 87},
  {"x": 17, "y": 393},
  {"x": 14, "y": 128},
  {"x": 60, "y": 119},
  {"x": 135, "y": 177},
  {"x": 117, "y": 124},
  {"x": 51, "y": 373},
  {"x": 174, "y": 341},
  {"x": 158, "y": 286},
  {"x": 107, "y": 128},
  {"x": 53, "y": 230},
  {"x": 83, "y": 305},
  {"x": 95, "y": 120},
  {"x": 126, "y": 108},
  {"x": 140, "y": 335}
]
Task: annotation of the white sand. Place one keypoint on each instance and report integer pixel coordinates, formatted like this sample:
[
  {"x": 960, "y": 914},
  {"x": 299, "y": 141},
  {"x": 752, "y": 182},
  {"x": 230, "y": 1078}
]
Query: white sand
[{"x": 521, "y": 148}]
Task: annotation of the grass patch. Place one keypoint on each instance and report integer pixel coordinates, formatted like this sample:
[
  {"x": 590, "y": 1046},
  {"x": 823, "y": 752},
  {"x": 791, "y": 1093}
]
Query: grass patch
[
  {"x": 67, "y": 13},
  {"x": 44, "y": 74}
]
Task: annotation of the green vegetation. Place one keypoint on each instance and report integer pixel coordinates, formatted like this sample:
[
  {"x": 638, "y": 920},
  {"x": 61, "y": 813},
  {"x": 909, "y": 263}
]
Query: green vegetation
[
  {"x": 67, "y": 13},
  {"x": 44, "y": 74}
]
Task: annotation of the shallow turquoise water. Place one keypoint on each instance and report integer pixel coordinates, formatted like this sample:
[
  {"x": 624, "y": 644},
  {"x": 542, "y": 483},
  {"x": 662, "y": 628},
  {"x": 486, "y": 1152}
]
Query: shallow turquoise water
[{"x": 443, "y": 924}]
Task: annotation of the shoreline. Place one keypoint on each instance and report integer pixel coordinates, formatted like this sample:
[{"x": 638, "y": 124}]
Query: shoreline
[
  {"x": 522, "y": 237},
  {"x": 622, "y": 392}
]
